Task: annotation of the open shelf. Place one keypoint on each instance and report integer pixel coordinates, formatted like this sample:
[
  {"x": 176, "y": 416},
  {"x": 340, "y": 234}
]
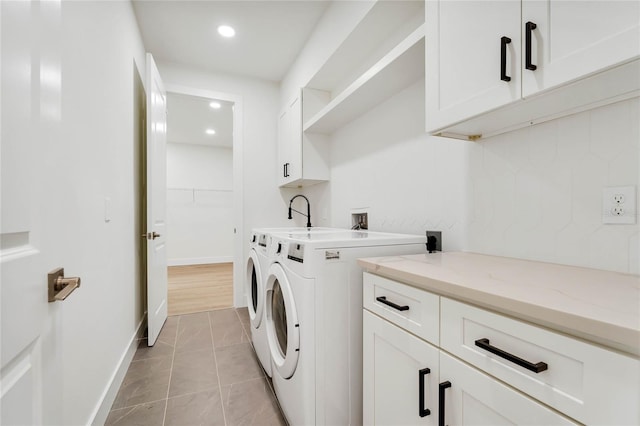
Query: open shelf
[{"x": 400, "y": 67}]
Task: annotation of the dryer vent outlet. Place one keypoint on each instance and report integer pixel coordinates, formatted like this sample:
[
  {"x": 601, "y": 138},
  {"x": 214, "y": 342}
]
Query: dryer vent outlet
[
  {"x": 434, "y": 241},
  {"x": 359, "y": 221}
]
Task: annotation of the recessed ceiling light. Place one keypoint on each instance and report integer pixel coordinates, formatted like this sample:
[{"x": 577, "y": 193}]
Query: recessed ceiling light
[
  {"x": 226, "y": 31},
  {"x": 210, "y": 132},
  {"x": 215, "y": 105}
]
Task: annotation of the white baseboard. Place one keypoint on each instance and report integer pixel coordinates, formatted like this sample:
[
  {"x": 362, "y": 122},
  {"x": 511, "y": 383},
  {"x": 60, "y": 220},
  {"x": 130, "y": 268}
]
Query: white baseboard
[
  {"x": 109, "y": 395},
  {"x": 199, "y": 260}
]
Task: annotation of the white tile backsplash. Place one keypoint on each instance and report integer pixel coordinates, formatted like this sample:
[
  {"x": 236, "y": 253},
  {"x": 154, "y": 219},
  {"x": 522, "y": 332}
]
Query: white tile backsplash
[
  {"x": 558, "y": 193},
  {"x": 535, "y": 193}
]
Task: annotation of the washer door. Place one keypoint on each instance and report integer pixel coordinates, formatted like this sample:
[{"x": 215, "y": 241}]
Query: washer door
[
  {"x": 255, "y": 289},
  {"x": 283, "y": 331}
]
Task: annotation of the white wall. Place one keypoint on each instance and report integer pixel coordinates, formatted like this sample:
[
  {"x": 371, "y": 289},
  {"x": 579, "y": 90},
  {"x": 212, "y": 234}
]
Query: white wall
[
  {"x": 98, "y": 143},
  {"x": 199, "y": 204},
  {"x": 264, "y": 204},
  {"x": 408, "y": 182},
  {"x": 332, "y": 29},
  {"x": 535, "y": 193},
  {"x": 83, "y": 66}
]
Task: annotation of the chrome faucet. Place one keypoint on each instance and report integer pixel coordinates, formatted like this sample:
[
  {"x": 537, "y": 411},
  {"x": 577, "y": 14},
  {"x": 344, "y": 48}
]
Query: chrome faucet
[{"x": 308, "y": 215}]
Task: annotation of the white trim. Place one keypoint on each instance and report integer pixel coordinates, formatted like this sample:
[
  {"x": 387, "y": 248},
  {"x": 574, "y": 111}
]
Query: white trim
[
  {"x": 199, "y": 260},
  {"x": 103, "y": 407},
  {"x": 238, "y": 184}
]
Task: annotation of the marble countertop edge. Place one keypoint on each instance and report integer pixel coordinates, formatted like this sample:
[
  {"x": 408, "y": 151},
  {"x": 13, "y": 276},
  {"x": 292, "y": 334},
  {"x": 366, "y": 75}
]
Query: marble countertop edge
[{"x": 604, "y": 328}]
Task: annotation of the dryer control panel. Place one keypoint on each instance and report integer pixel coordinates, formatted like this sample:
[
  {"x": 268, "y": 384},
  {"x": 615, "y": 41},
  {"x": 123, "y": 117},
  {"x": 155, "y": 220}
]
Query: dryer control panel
[{"x": 296, "y": 252}]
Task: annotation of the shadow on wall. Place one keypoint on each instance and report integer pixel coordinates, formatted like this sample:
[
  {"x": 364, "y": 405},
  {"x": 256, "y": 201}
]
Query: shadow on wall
[{"x": 399, "y": 119}]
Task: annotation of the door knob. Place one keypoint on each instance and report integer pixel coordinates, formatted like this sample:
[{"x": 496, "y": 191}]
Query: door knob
[{"x": 60, "y": 287}]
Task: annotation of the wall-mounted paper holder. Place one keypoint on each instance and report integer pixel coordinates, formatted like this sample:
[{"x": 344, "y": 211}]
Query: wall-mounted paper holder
[{"x": 60, "y": 287}]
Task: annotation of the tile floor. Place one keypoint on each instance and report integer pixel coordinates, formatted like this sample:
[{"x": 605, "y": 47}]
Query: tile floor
[{"x": 201, "y": 371}]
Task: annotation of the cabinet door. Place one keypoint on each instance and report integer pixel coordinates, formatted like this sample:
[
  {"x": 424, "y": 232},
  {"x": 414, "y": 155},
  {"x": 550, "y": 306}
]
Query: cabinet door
[
  {"x": 283, "y": 147},
  {"x": 290, "y": 142},
  {"x": 464, "y": 58},
  {"x": 400, "y": 376},
  {"x": 473, "y": 398},
  {"x": 295, "y": 139},
  {"x": 573, "y": 39}
]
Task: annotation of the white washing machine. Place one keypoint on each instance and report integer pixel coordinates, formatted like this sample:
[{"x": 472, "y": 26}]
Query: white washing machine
[
  {"x": 256, "y": 273},
  {"x": 257, "y": 266},
  {"x": 314, "y": 320}
]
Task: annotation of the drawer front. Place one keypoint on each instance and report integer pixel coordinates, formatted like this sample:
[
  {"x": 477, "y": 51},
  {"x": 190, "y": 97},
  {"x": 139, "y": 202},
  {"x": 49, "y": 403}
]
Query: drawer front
[
  {"x": 415, "y": 310},
  {"x": 589, "y": 383}
]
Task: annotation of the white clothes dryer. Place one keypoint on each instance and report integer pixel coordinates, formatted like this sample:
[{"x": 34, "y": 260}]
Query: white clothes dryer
[
  {"x": 314, "y": 320},
  {"x": 256, "y": 274}
]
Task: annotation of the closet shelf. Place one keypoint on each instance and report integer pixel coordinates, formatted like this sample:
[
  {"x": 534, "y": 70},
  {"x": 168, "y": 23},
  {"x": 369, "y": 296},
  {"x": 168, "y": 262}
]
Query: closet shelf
[{"x": 399, "y": 68}]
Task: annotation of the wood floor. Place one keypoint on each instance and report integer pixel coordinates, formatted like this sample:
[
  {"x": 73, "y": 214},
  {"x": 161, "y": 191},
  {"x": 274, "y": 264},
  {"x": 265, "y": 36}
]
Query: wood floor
[{"x": 199, "y": 288}]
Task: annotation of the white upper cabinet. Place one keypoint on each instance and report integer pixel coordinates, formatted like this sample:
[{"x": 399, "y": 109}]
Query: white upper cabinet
[
  {"x": 494, "y": 66},
  {"x": 302, "y": 159},
  {"x": 468, "y": 44},
  {"x": 572, "y": 39}
]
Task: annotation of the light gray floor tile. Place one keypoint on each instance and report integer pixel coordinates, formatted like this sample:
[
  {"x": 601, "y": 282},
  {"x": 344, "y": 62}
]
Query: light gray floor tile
[
  {"x": 146, "y": 380},
  {"x": 229, "y": 333},
  {"x": 193, "y": 338},
  {"x": 183, "y": 362},
  {"x": 223, "y": 317},
  {"x": 251, "y": 403},
  {"x": 202, "y": 408},
  {"x": 200, "y": 319},
  {"x": 150, "y": 414},
  {"x": 193, "y": 372},
  {"x": 243, "y": 314},
  {"x": 159, "y": 349},
  {"x": 169, "y": 332},
  {"x": 237, "y": 363}
]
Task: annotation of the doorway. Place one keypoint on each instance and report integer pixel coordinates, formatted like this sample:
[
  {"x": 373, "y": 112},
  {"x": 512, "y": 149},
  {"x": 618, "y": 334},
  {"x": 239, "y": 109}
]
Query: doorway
[{"x": 202, "y": 215}]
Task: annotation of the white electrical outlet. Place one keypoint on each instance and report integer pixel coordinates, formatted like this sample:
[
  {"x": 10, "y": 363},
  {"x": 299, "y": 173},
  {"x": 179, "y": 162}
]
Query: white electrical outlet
[{"x": 619, "y": 204}]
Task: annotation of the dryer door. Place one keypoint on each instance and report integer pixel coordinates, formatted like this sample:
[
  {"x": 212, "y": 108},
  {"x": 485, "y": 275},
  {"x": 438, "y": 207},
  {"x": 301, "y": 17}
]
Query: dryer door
[
  {"x": 255, "y": 289},
  {"x": 283, "y": 330}
]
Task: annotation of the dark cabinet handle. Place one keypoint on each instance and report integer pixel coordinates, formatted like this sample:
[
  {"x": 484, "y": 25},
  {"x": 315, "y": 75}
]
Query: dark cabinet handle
[
  {"x": 422, "y": 411},
  {"x": 503, "y": 58},
  {"x": 529, "y": 27},
  {"x": 441, "y": 395},
  {"x": 383, "y": 299},
  {"x": 286, "y": 169},
  {"x": 536, "y": 368}
]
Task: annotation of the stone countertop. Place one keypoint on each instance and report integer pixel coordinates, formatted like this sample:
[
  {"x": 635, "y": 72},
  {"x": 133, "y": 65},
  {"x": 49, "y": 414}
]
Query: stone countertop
[{"x": 599, "y": 306}]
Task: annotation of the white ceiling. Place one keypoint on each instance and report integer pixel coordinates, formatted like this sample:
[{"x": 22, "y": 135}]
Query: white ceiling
[
  {"x": 188, "y": 117},
  {"x": 269, "y": 33}
]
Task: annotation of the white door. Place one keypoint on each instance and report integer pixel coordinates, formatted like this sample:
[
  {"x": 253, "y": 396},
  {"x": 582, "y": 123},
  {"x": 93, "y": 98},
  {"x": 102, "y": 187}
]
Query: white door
[
  {"x": 473, "y": 398},
  {"x": 464, "y": 58},
  {"x": 156, "y": 202},
  {"x": 400, "y": 376},
  {"x": 572, "y": 39},
  {"x": 23, "y": 276}
]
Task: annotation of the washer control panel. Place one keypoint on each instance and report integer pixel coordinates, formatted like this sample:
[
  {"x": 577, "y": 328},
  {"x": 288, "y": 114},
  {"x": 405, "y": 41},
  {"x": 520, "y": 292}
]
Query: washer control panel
[{"x": 296, "y": 252}]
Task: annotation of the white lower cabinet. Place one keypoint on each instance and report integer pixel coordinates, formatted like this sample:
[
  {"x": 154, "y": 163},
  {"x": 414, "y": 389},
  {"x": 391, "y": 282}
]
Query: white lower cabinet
[
  {"x": 400, "y": 381},
  {"x": 431, "y": 360},
  {"x": 407, "y": 381},
  {"x": 470, "y": 397}
]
